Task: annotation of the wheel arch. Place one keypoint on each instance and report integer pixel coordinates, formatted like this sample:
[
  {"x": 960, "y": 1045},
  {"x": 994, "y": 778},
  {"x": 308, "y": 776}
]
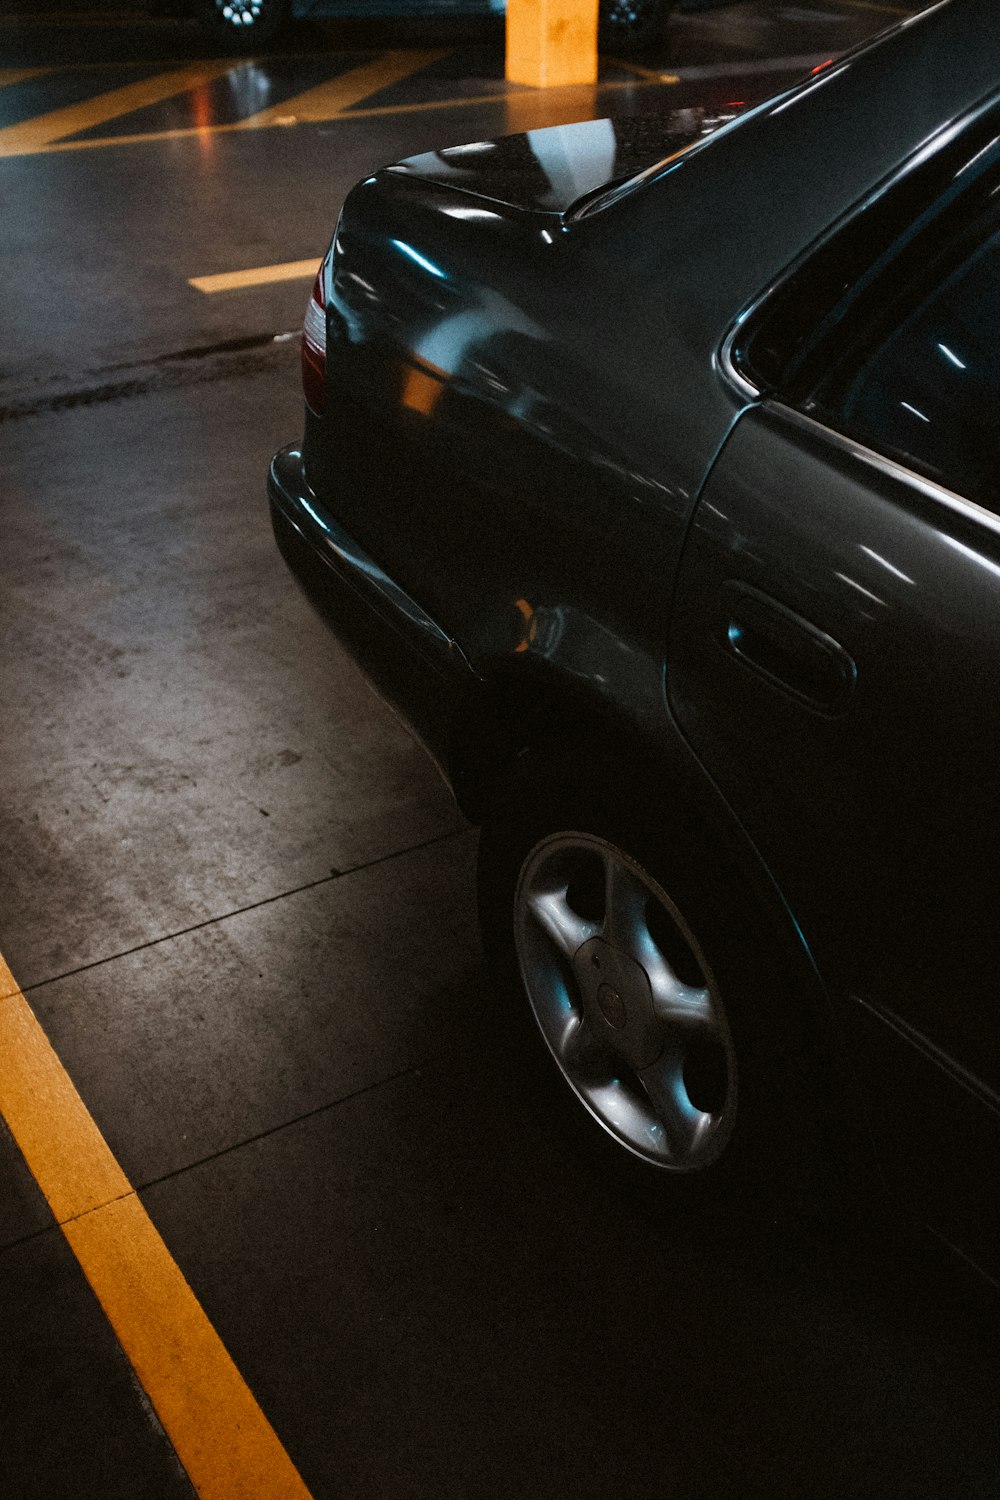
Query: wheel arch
[{"x": 537, "y": 717}]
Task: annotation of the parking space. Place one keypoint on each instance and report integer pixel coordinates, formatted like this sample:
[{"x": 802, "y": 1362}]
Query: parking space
[{"x": 241, "y": 903}]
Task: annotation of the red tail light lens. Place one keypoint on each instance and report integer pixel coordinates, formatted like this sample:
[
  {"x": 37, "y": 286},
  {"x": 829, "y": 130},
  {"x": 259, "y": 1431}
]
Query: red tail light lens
[{"x": 314, "y": 348}]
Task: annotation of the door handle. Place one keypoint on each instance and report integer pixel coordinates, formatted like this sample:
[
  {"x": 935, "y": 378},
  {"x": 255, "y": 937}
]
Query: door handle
[{"x": 787, "y": 650}]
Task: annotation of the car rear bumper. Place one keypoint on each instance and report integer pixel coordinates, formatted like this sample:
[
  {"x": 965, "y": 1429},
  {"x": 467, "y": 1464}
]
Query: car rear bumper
[{"x": 409, "y": 660}]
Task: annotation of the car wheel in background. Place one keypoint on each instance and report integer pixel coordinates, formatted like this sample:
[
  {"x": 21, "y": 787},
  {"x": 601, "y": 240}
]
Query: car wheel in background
[
  {"x": 674, "y": 1047},
  {"x": 631, "y": 26},
  {"x": 244, "y": 24}
]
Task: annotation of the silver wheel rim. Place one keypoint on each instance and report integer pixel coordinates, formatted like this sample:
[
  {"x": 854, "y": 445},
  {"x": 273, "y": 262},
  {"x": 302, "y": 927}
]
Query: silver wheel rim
[
  {"x": 240, "y": 12},
  {"x": 626, "y": 1001}
]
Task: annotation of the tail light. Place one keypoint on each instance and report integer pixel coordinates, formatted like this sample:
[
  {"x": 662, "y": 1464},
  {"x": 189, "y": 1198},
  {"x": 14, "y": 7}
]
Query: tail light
[{"x": 314, "y": 348}]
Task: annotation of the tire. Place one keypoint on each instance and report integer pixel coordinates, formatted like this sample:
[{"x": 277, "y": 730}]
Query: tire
[
  {"x": 630, "y": 27},
  {"x": 667, "y": 1038},
  {"x": 243, "y": 25}
]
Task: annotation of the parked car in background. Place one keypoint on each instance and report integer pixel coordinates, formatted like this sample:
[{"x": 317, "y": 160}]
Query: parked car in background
[
  {"x": 623, "y": 25},
  {"x": 663, "y": 504}
]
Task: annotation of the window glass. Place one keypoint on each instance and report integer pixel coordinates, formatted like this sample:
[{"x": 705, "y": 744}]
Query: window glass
[{"x": 927, "y": 391}]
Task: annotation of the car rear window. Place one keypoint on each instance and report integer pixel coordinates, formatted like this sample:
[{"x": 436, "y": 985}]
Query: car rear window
[
  {"x": 785, "y": 343},
  {"x": 923, "y": 386}
]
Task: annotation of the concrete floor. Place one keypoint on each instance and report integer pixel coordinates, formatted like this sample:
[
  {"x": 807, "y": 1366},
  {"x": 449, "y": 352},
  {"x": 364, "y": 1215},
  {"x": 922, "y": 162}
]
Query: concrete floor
[{"x": 241, "y": 903}]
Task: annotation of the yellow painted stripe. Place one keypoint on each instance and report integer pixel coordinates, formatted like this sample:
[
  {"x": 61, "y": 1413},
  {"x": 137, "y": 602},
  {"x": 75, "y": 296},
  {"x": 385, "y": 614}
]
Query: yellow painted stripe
[
  {"x": 18, "y": 75},
  {"x": 376, "y": 111},
  {"x": 8, "y": 984},
  {"x": 220, "y": 1434},
  {"x": 653, "y": 74},
  {"x": 34, "y": 135},
  {"x": 60, "y": 1142},
  {"x": 232, "y": 281},
  {"x": 327, "y": 100},
  {"x": 187, "y": 132}
]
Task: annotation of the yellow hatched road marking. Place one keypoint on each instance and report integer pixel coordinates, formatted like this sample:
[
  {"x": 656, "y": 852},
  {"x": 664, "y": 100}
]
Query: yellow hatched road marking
[
  {"x": 43, "y": 130},
  {"x": 329, "y": 99},
  {"x": 220, "y": 1434},
  {"x": 187, "y": 132},
  {"x": 230, "y": 281}
]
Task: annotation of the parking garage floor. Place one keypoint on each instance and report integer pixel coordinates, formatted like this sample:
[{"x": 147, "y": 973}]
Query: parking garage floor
[{"x": 288, "y": 1220}]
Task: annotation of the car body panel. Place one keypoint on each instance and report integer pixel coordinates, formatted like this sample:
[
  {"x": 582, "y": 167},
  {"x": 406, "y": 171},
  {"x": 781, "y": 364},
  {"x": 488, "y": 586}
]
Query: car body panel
[
  {"x": 879, "y": 815},
  {"x": 482, "y": 293},
  {"x": 551, "y": 169},
  {"x": 447, "y": 411},
  {"x": 534, "y": 435},
  {"x": 418, "y": 670}
]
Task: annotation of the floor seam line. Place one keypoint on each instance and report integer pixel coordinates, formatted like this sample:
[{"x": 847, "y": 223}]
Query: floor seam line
[
  {"x": 240, "y": 911},
  {"x": 34, "y": 1234},
  {"x": 96, "y": 1207},
  {"x": 309, "y": 1114}
]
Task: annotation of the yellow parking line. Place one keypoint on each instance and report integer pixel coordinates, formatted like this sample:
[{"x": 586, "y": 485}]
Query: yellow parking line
[
  {"x": 220, "y": 1434},
  {"x": 231, "y": 281},
  {"x": 19, "y": 75},
  {"x": 34, "y": 135},
  {"x": 653, "y": 74},
  {"x": 329, "y": 99},
  {"x": 66, "y": 1152}
]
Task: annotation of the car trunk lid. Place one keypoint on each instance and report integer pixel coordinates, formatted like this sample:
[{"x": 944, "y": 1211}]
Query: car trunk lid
[{"x": 550, "y": 170}]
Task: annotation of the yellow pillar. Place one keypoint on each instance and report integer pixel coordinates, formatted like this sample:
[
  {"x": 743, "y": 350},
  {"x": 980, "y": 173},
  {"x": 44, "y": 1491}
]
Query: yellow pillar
[{"x": 551, "y": 42}]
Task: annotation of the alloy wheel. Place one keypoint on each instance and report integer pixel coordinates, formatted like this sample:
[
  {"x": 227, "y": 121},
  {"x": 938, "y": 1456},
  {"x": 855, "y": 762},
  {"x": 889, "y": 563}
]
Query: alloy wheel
[{"x": 626, "y": 1001}]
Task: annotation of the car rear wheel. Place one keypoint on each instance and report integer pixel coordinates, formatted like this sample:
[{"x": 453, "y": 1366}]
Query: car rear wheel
[
  {"x": 631, "y": 26},
  {"x": 625, "y": 1001},
  {"x": 675, "y": 1050},
  {"x": 244, "y": 24}
]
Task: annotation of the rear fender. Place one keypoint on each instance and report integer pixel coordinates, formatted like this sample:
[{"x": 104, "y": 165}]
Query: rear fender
[{"x": 526, "y": 718}]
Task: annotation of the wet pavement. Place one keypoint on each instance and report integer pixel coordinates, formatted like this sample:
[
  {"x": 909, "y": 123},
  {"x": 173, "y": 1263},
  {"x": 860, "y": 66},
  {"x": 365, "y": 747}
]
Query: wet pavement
[{"x": 241, "y": 902}]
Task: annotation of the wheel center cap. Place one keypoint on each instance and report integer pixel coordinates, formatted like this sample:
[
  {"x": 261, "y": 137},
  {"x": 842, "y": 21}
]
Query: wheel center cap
[
  {"x": 617, "y": 1002},
  {"x": 612, "y": 1007}
]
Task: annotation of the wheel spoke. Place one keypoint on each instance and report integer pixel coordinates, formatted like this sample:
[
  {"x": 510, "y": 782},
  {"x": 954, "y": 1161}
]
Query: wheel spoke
[
  {"x": 678, "y": 1006},
  {"x": 624, "y": 908},
  {"x": 683, "y": 1125},
  {"x": 558, "y": 920},
  {"x": 582, "y": 1056}
]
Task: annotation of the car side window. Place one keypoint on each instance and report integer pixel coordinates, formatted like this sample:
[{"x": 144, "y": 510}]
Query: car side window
[{"x": 923, "y": 385}]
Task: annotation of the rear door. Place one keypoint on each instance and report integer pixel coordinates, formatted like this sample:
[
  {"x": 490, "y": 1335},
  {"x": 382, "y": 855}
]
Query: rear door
[{"x": 833, "y": 658}]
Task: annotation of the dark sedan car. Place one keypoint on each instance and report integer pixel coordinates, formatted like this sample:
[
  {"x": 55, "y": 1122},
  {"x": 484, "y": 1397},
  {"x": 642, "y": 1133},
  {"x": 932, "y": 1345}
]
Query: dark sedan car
[{"x": 665, "y": 507}]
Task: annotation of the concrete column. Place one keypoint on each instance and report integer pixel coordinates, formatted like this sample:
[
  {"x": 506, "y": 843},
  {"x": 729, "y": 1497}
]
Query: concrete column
[{"x": 551, "y": 42}]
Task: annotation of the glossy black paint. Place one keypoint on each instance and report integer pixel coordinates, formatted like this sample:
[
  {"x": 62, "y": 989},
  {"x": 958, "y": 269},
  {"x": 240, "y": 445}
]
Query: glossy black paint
[
  {"x": 877, "y": 815},
  {"x": 532, "y": 427}
]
